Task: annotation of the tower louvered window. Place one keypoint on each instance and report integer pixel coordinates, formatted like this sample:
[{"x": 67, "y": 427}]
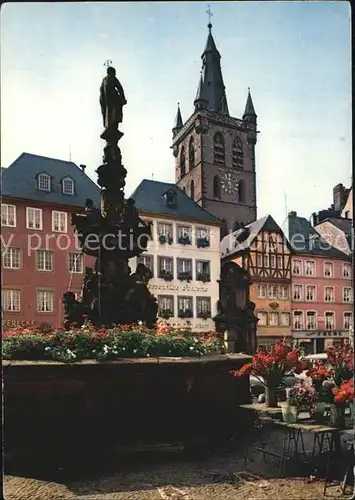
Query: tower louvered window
[
  {"x": 237, "y": 154},
  {"x": 219, "y": 149}
]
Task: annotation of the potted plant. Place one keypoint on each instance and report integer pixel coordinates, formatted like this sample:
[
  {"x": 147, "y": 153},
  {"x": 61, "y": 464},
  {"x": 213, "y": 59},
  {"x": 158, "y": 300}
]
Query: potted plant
[
  {"x": 166, "y": 275},
  {"x": 204, "y": 277},
  {"x": 184, "y": 240},
  {"x": 204, "y": 314},
  {"x": 302, "y": 396},
  {"x": 271, "y": 366},
  {"x": 185, "y": 276},
  {"x": 185, "y": 313},
  {"x": 166, "y": 313},
  {"x": 203, "y": 242},
  {"x": 162, "y": 239},
  {"x": 343, "y": 396}
]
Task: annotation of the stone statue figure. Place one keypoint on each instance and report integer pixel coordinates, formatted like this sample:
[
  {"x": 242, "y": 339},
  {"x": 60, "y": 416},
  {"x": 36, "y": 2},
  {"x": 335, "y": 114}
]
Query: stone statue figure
[
  {"x": 130, "y": 214},
  {"x": 112, "y": 100},
  {"x": 74, "y": 311}
]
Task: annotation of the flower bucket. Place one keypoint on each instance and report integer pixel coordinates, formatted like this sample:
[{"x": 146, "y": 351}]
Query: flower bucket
[
  {"x": 271, "y": 396},
  {"x": 337, "y": 416},
  {"x": 289, "y": 413},
  {"x": 319, "y": 414}
]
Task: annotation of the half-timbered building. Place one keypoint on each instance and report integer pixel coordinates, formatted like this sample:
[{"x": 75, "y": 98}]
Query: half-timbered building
[{"x": 262, "y": 249}]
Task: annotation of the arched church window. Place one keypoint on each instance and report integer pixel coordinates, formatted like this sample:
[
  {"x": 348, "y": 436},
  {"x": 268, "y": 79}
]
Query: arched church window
[
  {"x": 219, "y": 149},
  {"x": 237, "y": 154},
  {"x": 224, "y": 228},
  {"x": 184, "y": 189},
  {"x": 182, "y": 162},
  {"x": 192, "y": 190},
  {"x": 191, "y": 153},
  {"x": 217, "y": 187},
  {"x": 236, "y": 226},
  {"x": 241, "y": 191}
]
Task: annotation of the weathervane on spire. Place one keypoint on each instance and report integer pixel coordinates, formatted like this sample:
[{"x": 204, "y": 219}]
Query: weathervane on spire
[
  {"x": 107, "y": 63},
  {"x": 209, "y": 13}
]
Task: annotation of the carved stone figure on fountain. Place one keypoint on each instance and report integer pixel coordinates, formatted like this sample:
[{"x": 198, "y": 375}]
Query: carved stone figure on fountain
[
  {"x": 112, "y": 100},
  {"x": 74, "y": 311},
  {"x": 91, "y": 211},
  {"x": 130, "y": 214},
  {"x": 139, "y": 303}
]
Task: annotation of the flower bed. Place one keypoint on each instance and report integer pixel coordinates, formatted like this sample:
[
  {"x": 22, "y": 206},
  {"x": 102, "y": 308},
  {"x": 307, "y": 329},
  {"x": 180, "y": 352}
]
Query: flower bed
[{"x": 107, "y": 344}]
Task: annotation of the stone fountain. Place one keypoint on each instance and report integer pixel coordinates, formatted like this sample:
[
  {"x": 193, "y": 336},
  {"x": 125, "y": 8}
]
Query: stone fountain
[{"x": 111, "y": 294}]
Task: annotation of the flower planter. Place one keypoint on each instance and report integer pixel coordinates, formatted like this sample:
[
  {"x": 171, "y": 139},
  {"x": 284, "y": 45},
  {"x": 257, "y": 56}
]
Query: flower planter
[
  {"x": 289, "y": 413},
  {"x": 337, "y": 416},
  {"x": 320, "y": 409},
  {"x": 271, "y": 396}
]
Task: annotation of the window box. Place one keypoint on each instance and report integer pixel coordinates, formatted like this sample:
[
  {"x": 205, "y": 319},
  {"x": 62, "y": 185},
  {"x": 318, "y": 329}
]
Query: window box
[
  {"x": 166, "y": 314},
  {"x": 274, "y": 305},
  {"x": 204, "y": 277},
  {"x": 165, "y": 238},
  {"x": 185, "y": 276},
  {"x": 184, "y": 240},
  {"x": 166, "y": 275},
  {"x": 204, "y": 314},
  {"x": 187, "y": 313},
  {"x": 202, "y": 242}
]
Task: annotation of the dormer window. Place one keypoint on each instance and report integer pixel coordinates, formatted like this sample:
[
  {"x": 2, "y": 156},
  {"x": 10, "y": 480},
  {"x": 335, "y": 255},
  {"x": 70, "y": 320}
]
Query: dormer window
[
  {"x": 44, "y": 182},
  {"x": 68, "y": 186},
  {"x": 170, "y": 198}
]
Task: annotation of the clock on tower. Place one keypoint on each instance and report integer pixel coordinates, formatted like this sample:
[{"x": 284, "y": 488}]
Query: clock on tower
[{"x": 229, "y": 183}]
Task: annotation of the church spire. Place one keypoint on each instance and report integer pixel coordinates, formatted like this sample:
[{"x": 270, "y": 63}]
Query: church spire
[
  {"x": 178, "y": 121},
  {"x": 200, "y": 102},
  {"x": 213, "y": 86},
  {"x": 249, "y": 113}
]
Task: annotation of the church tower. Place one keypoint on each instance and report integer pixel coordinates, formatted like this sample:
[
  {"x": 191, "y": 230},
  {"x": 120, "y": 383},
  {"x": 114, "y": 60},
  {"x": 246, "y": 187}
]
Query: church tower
[{"x": 214, "y": 152}]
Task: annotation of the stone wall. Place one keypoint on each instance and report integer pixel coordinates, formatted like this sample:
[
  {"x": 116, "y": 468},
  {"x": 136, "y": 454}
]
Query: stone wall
[{"x": 89, "y": 407}]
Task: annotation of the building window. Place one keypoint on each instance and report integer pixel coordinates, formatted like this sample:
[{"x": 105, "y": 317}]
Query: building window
[
  {"x": 311, "y": 322},
  {"x": 76, "y": 263},
  {"x": 279, "y": 262},
  {"x": 182, "y": 162},
  {"x": 266, "y": 260},
  {"x": 347, "y": 294},
  {"x": 11, "y": 258},
  {"x": 262, "y": 316},
  {"x": 347, "y": 320},
  {"x": 297, "y": 320},
  {"x": 328, "y": 269},
  {"x": 285, "y": 319},
  {"x": 11, "y": 300},
  {"x": 44, "y": 301},
  {"x": 8, "y": 215},
  {"x": 44, "y": 182},
  {"x": 346, "y": 270},
  {"x": 284, "y": 292},
  {"x": 328, "y": 294},
  {"x": 273, "y": 261},
  {"x": 310, "y": 293},
  {"x": 219, "y": 154},
  {"x": 148, "y": 262},
  {"x": 329, "y": 321},
  {"x": 297, "y": 292},
  {"x": 165, "y": 306},
  {"x": 202, "y": 237},
  {"x": 34, "y": 218},
  {"x": 184, "y": 235},
  {"x": 165, "y": 267},
  {"x": 59, "y": 221},
  {"x": 217, "y": 187},
  {"x": 273, "y": 292},
  {"x": 68, "y": 186},
  {"x": 309, "y": 268},
  {"x": 44, "y": 260},
  {"x": 191, "y": 154},
  {"x": 165, "y": 230},
  {"x": 237, "y": 154},
  {"x": 184, "y": 269},
  {"x": 296, "y": 267},
  {"x": 273, "y": 319},
  {"x": 185, "y": 307},
  {"x": 203, "y": 307},
  {"x": 259, "y": 260},
  {"x": 262, "y": 291},
  {"x": 203, "y": 270},
  {"x": 241, "y": 191}
]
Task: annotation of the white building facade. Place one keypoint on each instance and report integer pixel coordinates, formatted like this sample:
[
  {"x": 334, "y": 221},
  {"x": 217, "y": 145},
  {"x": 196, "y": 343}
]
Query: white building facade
[{"x": 183, "y": 257}]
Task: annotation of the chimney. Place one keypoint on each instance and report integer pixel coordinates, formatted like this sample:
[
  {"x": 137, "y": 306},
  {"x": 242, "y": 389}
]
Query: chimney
[
  {"x": 339, "y": 195},
  {"x": 314, "y": 219},
  {"x": 292, "y": 214},
  {"x": 83, "y": 167}
]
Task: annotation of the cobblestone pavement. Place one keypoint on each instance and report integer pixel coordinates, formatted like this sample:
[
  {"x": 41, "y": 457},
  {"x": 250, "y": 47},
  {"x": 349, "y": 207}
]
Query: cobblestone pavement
[{"x": 215, "y": 477}]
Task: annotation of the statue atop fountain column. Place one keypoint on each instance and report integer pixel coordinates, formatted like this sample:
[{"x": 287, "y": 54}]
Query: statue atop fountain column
[{"x": 112, "y": 100}]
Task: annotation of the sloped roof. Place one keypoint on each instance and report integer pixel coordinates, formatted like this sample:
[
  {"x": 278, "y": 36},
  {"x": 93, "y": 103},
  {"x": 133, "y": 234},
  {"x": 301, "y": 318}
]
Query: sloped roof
[
  {"x": 304, "y": 238},
  {"x": 19, "y": 180},
  {"x": 230, "y": 245},
  {"x": 345, "y": 225},
  {"x": 149, "y": 198}
]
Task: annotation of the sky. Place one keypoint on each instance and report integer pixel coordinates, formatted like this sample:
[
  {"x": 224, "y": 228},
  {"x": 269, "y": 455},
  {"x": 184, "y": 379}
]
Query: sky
[{"x": 295, "y": 57}]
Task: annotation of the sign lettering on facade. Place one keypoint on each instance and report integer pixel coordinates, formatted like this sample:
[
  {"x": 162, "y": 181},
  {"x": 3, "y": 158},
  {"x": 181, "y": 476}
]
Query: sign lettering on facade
[
  {"x": 178, "y": 288},
  {"x": 321, "y": 334},
  {"x": 15, "y": 323}
]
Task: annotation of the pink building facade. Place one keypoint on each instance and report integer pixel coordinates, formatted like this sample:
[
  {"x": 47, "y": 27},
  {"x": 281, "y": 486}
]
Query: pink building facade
[{"x": 322, "y": 292}]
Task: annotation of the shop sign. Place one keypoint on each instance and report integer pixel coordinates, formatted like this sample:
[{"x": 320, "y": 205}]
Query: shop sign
[
  {"x": 329, "y": 334},
  {"x": 16, "y": 323},
  {"x": 186, "y": 287}
]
